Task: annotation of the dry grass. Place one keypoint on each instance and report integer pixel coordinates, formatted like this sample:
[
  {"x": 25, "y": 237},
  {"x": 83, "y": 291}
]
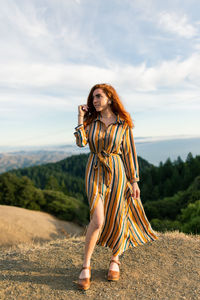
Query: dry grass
[
  {"x": 167, "y": 268},
  {"x": 19, "y": 225}
]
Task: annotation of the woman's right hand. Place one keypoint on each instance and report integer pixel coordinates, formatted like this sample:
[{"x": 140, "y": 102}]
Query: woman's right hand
[{"x": 82, "y": 109}]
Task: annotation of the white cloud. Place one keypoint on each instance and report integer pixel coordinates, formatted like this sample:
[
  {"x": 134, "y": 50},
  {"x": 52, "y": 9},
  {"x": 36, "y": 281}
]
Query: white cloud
[
  {"x": 35, "y": 33},
  {"x": 172, "y": 101},
  {"x": 177, "y": 24},
  {"x": 172, "y": 74},
  {"x": 17, "y": 103},
  {"x": 164, "y": 138},
  {"x": 50, "y": 76},
  {"x": 197, "y": 46},
  {"x": 166, "y": 74},
  {"x": 170, "y": 84},
  {"x": 24, "y": 19}
]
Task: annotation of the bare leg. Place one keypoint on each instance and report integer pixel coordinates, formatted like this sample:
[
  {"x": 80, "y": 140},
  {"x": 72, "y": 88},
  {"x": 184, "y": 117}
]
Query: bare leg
[{"x": 92, "y": 235}]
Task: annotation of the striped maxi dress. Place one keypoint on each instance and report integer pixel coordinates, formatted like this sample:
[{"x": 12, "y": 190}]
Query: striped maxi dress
[{"x": 111, "y": 168}]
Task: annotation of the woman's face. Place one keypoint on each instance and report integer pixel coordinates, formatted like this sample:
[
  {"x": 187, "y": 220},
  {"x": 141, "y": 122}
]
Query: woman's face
[{"x": 100, "y": 100}]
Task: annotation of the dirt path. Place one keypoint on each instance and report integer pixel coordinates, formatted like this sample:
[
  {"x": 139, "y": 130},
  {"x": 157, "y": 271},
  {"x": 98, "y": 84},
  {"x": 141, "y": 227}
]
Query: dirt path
[{"x": 168, "y": 268}]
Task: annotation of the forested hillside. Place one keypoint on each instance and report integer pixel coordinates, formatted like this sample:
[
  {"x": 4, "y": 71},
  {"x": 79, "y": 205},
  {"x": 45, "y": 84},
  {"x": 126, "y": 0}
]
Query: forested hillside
[
  {"x": 67, "y": 175},
  {"x": 170, "y": 193}
]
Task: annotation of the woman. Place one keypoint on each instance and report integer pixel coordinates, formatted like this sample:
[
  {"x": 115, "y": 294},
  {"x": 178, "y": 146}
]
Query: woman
[{"x": 117, "y": 217}]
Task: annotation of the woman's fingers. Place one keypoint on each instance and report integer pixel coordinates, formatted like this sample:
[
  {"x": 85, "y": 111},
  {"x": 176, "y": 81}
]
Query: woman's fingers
[
  {"x": 136, "y": 192},
  {"x": 82, "y": 108},
  {"x": 85, "y": 107}
]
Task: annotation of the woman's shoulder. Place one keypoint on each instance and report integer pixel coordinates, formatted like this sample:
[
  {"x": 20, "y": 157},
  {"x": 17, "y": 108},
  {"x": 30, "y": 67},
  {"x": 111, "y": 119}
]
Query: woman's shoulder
[{"x": 125, "y": 124}]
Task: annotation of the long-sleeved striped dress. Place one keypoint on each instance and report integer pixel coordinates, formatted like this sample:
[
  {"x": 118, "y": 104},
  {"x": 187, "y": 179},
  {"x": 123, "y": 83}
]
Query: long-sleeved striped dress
[{"x": 112, "y": 166}]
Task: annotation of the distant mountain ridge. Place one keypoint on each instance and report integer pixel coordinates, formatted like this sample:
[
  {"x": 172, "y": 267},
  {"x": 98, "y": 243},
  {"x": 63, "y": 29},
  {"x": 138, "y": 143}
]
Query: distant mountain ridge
[
  {"x": 154, "y": 151},
  {"x": 23, "y": 159}
]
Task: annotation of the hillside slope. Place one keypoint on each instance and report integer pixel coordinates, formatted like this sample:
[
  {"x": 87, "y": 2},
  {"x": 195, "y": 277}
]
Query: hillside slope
[
  {"x": 20, "y": 225},
  {"x": 167, "y": 268}
]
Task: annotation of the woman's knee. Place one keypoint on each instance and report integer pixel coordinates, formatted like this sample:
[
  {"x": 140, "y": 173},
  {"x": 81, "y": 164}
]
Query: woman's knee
[
  {"x": 97, "y": 222},
  {"x": 98, "y": 216}
]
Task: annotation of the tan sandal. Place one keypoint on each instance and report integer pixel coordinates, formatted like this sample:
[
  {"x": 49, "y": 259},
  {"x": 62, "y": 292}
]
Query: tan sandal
[
  {"x": 84, "y": 283},
  {"x": 114, "y": 275}
]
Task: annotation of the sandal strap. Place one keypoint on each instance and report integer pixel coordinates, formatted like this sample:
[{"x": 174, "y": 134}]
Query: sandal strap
[
  {"x": 117, "y": 262},
  {"x": 86, "y": 268}
]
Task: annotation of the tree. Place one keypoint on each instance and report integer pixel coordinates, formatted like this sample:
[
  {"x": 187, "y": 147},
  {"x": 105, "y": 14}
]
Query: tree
[
  {"x": 189, "y": 158},
  {"x": 190, "y": 218},
  {"x": 52, "y": 184}
]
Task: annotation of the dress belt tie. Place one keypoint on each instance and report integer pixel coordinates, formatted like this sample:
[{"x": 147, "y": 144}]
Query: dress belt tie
[{"x": 104, "y": 158}]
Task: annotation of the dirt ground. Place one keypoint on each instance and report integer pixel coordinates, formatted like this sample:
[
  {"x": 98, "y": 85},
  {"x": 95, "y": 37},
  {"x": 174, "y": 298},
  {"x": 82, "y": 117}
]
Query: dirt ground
[{"x": 168, "y": 268}]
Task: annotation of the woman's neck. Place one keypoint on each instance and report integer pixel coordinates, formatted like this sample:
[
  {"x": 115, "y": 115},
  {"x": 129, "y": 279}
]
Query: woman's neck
[{"x": 107, "y": 114}]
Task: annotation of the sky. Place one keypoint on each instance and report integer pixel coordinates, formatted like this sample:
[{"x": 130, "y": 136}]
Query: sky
[{"x": 52, "y": 52}]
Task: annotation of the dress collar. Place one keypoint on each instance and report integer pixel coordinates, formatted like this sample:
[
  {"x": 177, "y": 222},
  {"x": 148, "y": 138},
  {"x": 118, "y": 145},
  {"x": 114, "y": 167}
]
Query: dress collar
[{"x": 118, "y": 119}]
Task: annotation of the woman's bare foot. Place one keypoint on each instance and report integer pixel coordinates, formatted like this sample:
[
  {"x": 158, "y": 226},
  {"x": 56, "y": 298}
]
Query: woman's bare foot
[
  {"x": 85, "y": 273},
  {"x": 113, "y": 265}
]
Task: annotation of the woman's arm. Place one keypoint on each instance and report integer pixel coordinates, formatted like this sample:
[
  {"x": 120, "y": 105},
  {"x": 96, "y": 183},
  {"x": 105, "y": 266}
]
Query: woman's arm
[
  {"x": 81, "y": 135},
  {"x": 129, "y": 156}
]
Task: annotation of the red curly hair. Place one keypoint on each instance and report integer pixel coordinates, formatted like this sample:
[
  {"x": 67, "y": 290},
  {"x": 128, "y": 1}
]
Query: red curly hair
[{"x": 116, "y": 105}]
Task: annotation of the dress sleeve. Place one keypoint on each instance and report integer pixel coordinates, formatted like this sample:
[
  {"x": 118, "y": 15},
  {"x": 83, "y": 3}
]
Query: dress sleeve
[
  {"x": 81, "y": 135},
  {"x": 129, "y": 156}
]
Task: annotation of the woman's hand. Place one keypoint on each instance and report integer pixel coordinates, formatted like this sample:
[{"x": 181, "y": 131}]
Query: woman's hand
[
  {"x": 82, "y": 109},
  {"x": 136, "y": 190}
]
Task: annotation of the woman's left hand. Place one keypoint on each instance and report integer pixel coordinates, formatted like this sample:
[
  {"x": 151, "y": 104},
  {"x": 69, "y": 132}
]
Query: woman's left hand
[{"x": 136, "y": 190}]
